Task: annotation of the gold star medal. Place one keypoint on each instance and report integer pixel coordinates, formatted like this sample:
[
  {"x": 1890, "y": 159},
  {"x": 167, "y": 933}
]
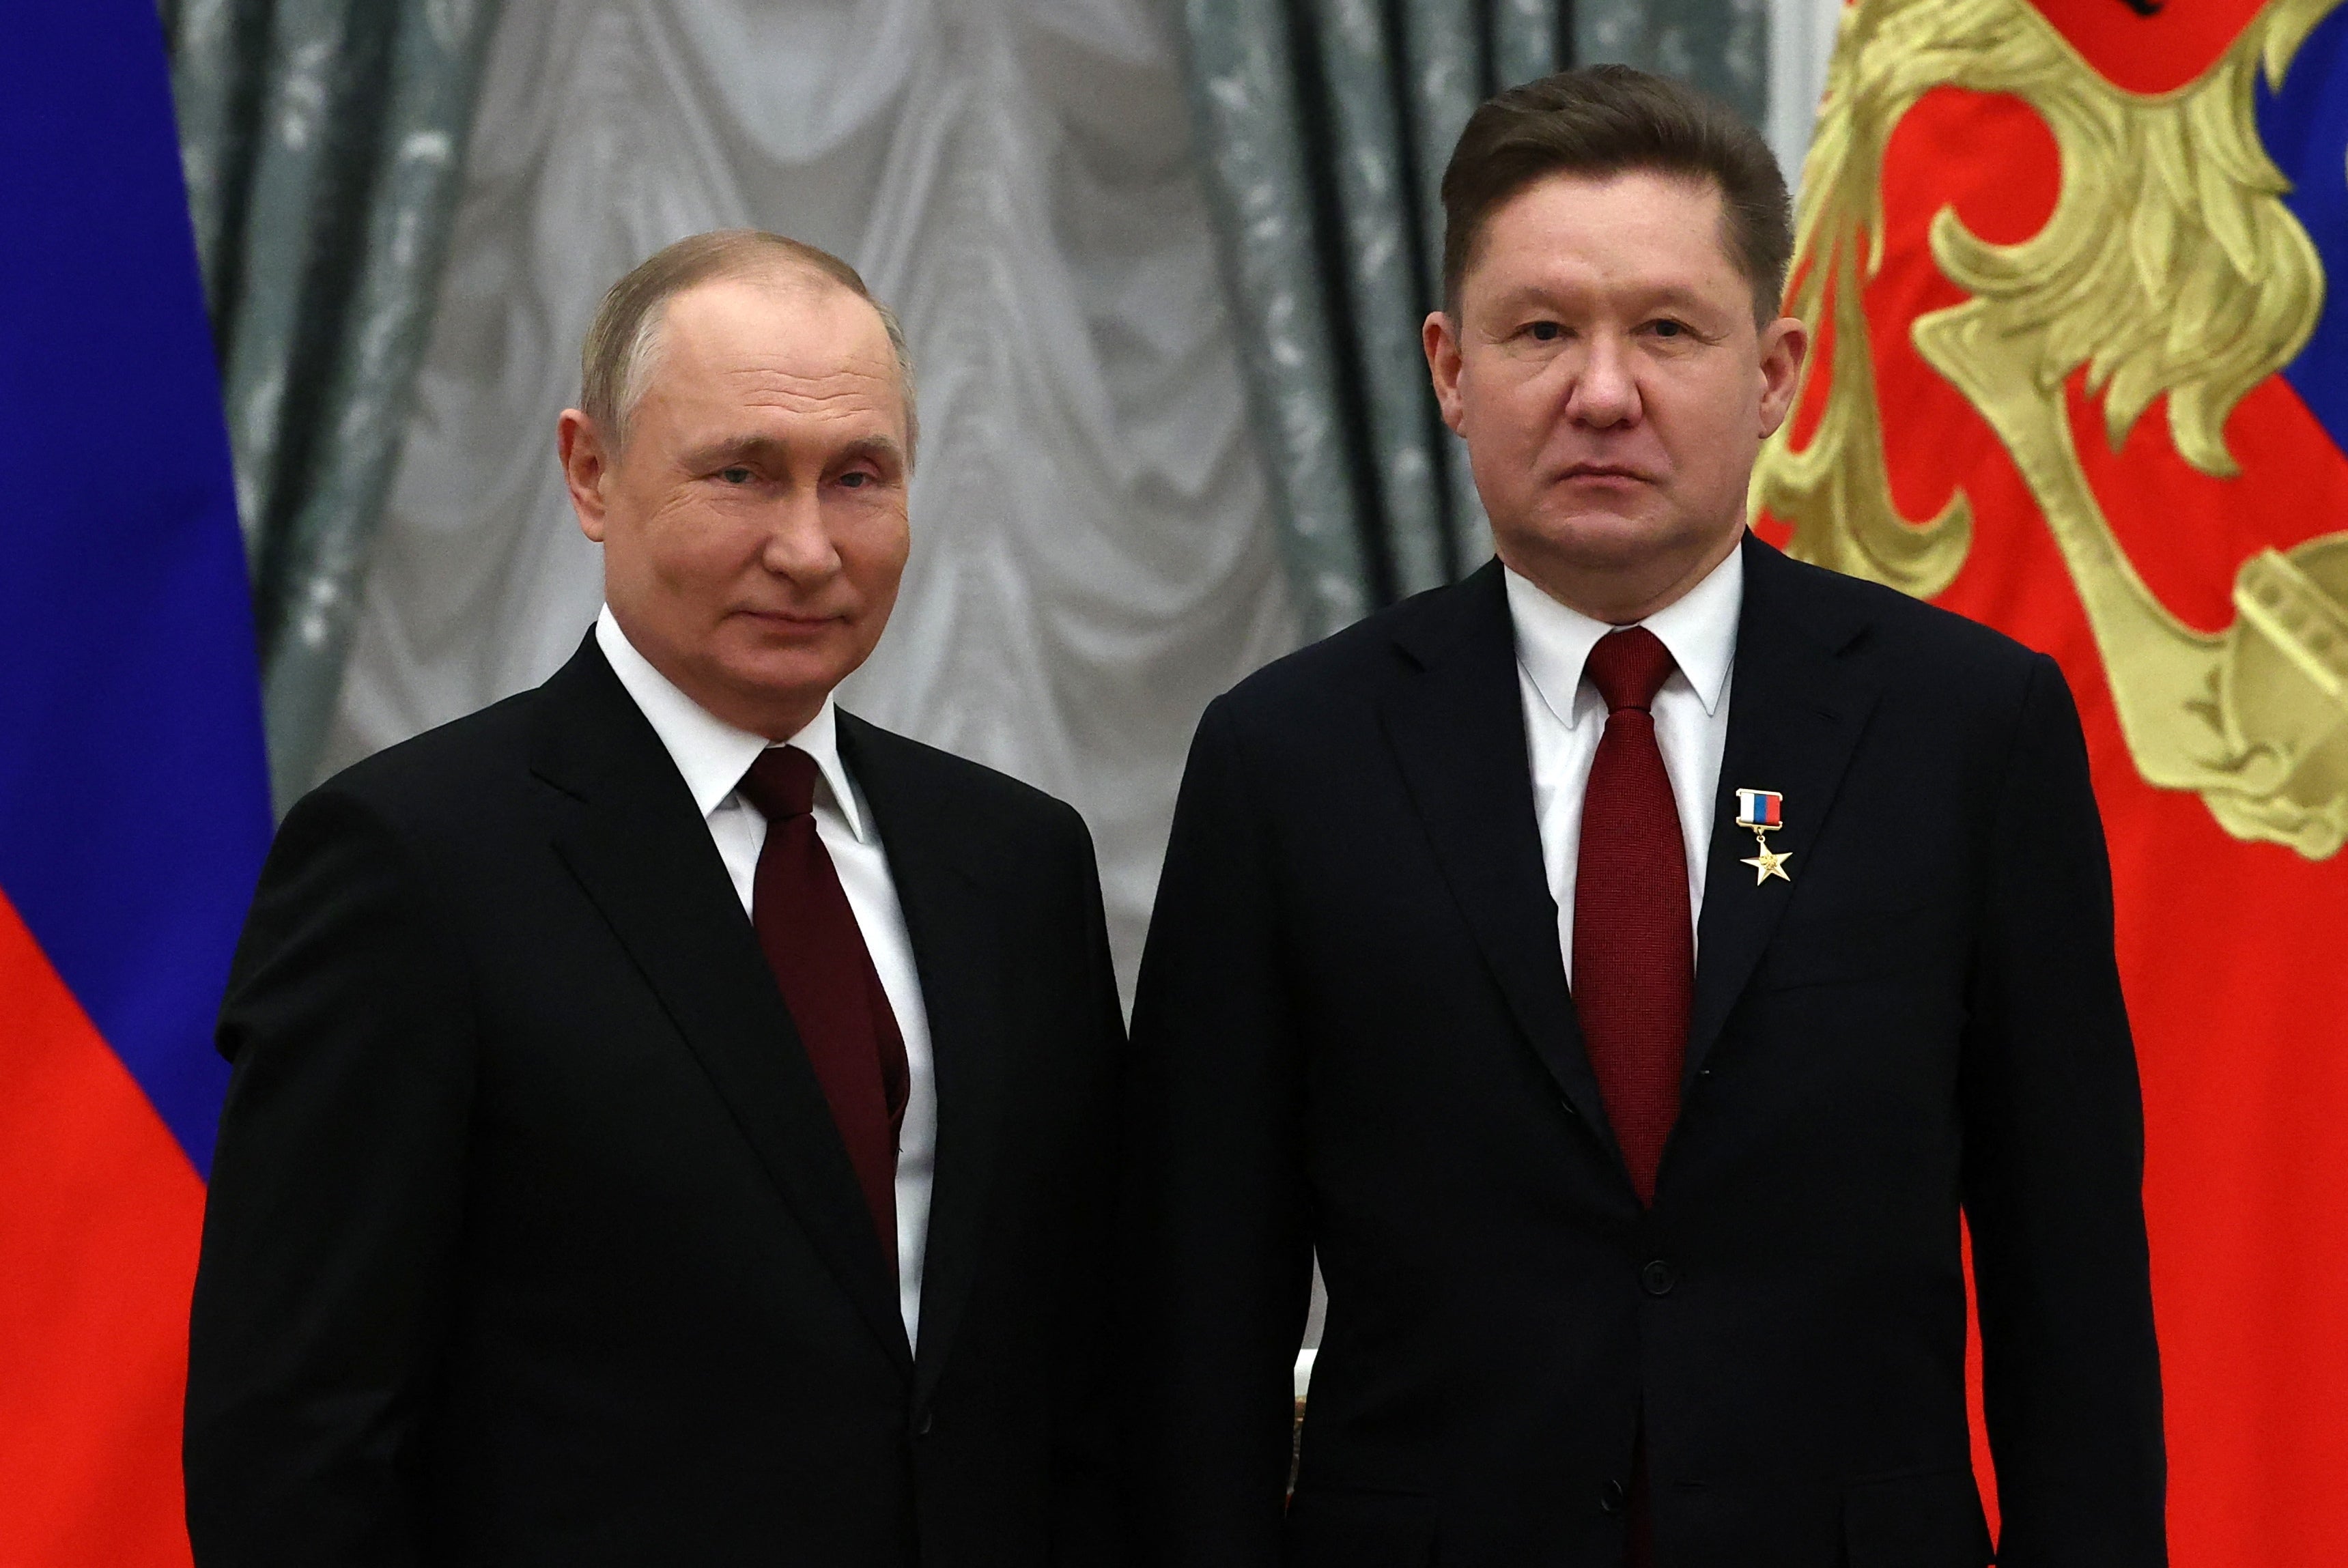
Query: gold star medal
[{"x": 1763, "y": 810}]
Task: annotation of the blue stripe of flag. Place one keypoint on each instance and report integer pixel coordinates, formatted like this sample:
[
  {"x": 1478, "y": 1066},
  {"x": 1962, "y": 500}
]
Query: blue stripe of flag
[{"x": 134, "y": 805}]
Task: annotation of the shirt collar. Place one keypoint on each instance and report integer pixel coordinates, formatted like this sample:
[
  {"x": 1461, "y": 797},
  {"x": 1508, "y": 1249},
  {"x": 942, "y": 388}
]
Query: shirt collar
[
  {"x": 710, "y": 753},
  {"x": 1699, "y": 628}
]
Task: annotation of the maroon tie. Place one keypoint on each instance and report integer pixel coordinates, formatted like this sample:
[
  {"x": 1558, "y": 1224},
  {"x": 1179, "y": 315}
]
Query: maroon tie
[
  {"x": 1633, "y": 946},
  {"x": 817, "y": 953}
]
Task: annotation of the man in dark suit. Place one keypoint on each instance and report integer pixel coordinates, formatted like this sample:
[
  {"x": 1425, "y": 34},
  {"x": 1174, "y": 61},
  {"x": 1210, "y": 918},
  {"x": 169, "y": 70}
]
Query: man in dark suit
[
  {"x": 672, "y": 1117},
  {"x": 1623, "y": 969}
]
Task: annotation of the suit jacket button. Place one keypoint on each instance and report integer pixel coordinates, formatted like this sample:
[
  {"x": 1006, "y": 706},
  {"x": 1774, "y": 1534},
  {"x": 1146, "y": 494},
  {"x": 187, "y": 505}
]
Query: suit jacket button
[
  {"x": 1612, "y": 1497},
  {"x": 1658, "y": 1277},
  {"x": 923, "y": 1422}
]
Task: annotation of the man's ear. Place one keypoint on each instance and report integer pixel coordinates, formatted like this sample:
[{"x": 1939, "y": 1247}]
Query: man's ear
[
  {"x": 586, "y": 469},
  {"x": 1439, "y": 334},
  {"x": 1785, "y": 345}
]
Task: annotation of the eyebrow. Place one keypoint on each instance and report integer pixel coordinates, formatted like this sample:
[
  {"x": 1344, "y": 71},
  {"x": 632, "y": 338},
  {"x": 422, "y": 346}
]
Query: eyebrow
[
  {"x": 729, "y": 450},
  {"x": 1677, "y": 296},
  {"x": 880, "y": 448}
]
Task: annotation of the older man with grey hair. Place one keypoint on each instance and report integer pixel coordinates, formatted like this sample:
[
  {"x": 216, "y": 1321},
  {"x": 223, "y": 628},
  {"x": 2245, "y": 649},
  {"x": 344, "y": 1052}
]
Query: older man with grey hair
[{"x": 671, "y": 1115}]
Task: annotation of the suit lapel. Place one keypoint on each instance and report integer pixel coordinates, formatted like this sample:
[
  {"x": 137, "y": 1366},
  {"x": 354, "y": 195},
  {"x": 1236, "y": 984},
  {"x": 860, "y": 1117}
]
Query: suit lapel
[
  {"x": 640, "y": 849},
  {"x": 1456, "y": 727},
  {"x": 952, "y": 928},
  {"x": 1796, "y": 708}
]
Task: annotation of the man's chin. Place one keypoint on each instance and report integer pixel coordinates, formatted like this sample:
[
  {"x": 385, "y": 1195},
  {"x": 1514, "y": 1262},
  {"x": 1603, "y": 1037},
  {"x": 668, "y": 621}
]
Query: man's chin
[
  {"x": 753, "y": 684},
  {"x": 1600, "y": 540},
  {"x": 789, "y": 670}
]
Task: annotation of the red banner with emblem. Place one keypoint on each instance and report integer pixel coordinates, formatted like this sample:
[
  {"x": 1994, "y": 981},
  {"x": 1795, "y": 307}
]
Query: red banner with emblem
[{"x": 2078, "y": 273}]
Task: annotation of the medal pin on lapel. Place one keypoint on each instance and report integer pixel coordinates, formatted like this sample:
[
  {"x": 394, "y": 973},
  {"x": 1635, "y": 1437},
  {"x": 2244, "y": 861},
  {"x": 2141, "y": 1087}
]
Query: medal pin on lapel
[{"x": 1764, "y": 811}]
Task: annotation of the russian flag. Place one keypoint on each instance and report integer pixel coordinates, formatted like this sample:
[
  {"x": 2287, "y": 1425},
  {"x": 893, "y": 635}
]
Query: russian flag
[
  {"x": 134, "y": 806},
  {"x": 1758, "y": 808}
]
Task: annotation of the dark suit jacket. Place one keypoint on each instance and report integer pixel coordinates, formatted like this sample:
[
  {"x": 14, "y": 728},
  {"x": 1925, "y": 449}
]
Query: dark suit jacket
[
  {"x": 1354, "y": 1035},
  {"x": 531, "y": 1238}
]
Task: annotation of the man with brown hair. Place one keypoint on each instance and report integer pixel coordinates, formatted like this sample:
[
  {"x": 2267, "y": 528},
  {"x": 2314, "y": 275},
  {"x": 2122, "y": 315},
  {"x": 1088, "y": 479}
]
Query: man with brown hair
[
  {"x": 1624, "y": 970},
  {"x": 671, "y": 1119}
]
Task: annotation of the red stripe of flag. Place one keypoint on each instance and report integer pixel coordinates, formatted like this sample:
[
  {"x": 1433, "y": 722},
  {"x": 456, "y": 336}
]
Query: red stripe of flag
[{"x": 98, "y": 1247}]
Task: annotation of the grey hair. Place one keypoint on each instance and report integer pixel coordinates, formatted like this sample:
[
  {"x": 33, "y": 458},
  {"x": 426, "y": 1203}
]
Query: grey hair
[{"x": 623, "y": 342}]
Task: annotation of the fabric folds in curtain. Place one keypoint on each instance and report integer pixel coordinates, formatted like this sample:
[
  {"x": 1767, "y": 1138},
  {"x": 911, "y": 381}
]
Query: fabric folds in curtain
[
  {"x": 1324, "y": 128},
  {"x": 1721, "y": 45},
  {"x": 1093, "y": 553},
  {"x": 323, "y": 141}
]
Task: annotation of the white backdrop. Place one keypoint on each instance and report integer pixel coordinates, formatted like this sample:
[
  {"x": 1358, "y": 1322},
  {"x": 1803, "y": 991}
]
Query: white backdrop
[{"x": 1093, "y": 553}]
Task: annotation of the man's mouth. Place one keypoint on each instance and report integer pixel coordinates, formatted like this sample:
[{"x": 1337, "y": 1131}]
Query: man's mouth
[{"x": 793, "y": 620}]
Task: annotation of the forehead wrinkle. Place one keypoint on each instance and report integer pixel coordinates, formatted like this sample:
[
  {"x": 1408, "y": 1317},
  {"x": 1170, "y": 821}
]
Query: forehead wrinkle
[
  {"x": 753, "y": 377},
  {"x": 653, "y": 333},
  {"x": 836, "y": 369},
  {"x": 823, "y": 396}
]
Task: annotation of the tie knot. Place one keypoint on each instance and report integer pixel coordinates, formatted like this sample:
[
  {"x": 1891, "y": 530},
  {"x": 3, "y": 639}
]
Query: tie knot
[
  {"x": 780, "y": 783},
  {"x": 1629, "y": 667}
]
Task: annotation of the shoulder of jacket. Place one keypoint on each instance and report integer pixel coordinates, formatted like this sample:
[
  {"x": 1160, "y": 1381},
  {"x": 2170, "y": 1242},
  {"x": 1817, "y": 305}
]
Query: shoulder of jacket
[
  {"x": 1359, "y": 658},
  {"x": 1925, "y": 642},
  {"x": 967, "y": 784},
  {"x": 443, "y": 767}
]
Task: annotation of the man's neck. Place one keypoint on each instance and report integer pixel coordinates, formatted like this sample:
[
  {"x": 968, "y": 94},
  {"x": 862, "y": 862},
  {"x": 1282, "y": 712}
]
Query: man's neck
[{"x": 1628, "y": 596}]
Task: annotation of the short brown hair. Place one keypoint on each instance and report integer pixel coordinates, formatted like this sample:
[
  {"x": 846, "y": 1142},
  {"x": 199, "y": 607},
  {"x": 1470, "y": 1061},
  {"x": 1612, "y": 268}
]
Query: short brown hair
[
  {"x": 625, "y": 334},
  {"x": 1604, "y": 120}
]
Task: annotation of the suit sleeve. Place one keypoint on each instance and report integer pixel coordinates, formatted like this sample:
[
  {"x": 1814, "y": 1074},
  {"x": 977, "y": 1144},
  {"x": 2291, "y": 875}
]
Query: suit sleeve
[
  {"x": 2053, "y": 1170},
  {"x": 332, "y": 1216},
  {"x": 1087, "y": 1528},
  {"x": 1220, "y": 1270}
]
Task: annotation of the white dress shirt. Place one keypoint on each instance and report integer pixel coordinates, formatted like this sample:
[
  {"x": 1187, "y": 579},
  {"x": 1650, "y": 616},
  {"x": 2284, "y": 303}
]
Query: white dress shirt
[
  {"x": 713, "y": 756},
  {"x": 1565, "y": 717}
]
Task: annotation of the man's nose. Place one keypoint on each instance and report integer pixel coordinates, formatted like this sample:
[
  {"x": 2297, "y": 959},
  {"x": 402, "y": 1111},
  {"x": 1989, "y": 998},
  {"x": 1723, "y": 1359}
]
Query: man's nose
[
  {"x": 1605, "y": 390},
  {"x": 797, "y": 545}
]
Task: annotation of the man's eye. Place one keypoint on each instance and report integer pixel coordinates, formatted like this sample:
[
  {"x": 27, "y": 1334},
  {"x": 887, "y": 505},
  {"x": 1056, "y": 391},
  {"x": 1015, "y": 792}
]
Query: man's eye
[
  {"x": 1546, "y": 332},
  {"x": 856, "y": 479},
  {"x": 736, "y": 474},
  {"x": 1669, "y": 328}
]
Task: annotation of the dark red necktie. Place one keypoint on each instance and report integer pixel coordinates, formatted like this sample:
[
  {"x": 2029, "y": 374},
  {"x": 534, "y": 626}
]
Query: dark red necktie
[
  {"x": 1633, "y": 944},
  {"x": 817, "y": 953}
]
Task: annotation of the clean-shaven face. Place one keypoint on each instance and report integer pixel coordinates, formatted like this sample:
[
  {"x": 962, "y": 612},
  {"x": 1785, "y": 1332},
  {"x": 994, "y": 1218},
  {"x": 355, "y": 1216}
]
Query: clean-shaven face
[
  {"x": 1612, "y": 387},
  {"x": 754, "y": 522}
]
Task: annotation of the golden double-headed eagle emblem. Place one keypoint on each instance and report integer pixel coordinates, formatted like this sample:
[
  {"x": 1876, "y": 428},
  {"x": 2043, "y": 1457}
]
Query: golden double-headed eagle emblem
[{"x": 2169, "y": 266}]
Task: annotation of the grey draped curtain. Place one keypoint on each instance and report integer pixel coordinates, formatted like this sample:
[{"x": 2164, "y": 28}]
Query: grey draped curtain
[
  {"x": 1323, "y": 126},
  {"x": 323, "y": 141},
  {"x": 1093, "y": 555},
  {"x": 1721, "y": 45},
  {"x": 324, "y": 147}
]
